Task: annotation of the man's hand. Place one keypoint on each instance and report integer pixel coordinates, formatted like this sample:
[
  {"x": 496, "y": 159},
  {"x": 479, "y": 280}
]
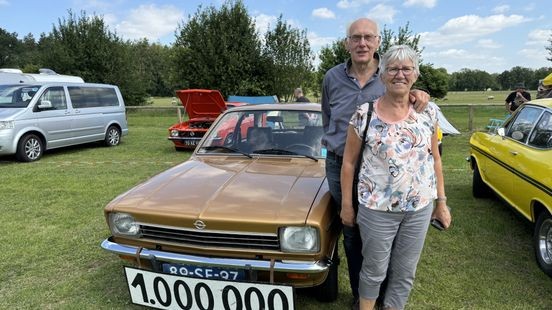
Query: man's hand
[
  {"x": 347, "y": 215},
  {"x": 419, "y": 99}
]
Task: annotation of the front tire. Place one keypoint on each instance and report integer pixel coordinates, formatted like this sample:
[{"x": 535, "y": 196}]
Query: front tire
[
  {"x": 542, "y": 239},
  {"x": 112, "y": 136},
  {"x": 29, "y": 148},
  {"x": 329, "y": 289},
  {"x": 479, "y": 188}
]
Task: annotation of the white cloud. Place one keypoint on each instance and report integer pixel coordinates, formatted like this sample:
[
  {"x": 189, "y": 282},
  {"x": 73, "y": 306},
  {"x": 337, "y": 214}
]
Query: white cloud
[
  {"x": 347, "y": 4},
  {"x": 382, "y": 13},
  {"x": 423, "y": 3},
  {"x": 323, "y": 13},
  {"x": 150, "y": 21},
  {"x": 455, "y": 60},
  {"x": 539, "y": 37},
  {"x": 501, "y": 9},
  {"x": 317, "y": 41},
  {"x": 4, "y": 3},
  {"x": 264, "y": 22},
  {"x": 488, "y": 43},
  {"x": 468, "y": 28},
  {"x": 537, "y": 55}
]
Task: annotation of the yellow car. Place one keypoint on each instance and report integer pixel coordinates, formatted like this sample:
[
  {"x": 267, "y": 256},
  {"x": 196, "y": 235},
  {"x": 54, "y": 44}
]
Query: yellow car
[
  {"x": 246, "y": 220},
  {"x": 515, "y": 162}
]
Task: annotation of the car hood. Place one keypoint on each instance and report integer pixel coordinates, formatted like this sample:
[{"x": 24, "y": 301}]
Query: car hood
[
  {"x": 9, "y": 113},
  {"x": 202, "y": 102},
  {"x": 230, "y": 190}
]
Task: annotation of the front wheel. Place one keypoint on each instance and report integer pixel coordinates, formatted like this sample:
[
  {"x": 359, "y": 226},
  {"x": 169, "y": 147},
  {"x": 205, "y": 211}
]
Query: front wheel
[
  {"x": 329, "y": 289},
  {"x": 479, "y": 188},
  {"x": 543, "y": 242},
  {"x": 112, "y": 136},
  {"x": 29, "y": 148}
]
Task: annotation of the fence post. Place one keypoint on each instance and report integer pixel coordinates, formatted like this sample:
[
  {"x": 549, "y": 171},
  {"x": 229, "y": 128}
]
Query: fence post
[{"x": 470, "y": 117}]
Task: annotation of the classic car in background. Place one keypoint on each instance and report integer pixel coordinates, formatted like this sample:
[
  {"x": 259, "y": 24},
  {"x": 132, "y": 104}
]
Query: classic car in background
[
  {"x": 244, "y": 221},
  {"x": 515, "y": 162},
  {"x": 202, "y": 107}
]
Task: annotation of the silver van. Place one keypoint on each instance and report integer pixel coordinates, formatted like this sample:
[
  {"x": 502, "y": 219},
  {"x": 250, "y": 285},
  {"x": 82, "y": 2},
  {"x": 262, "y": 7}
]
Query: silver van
[{"x": 39, "y": 116}]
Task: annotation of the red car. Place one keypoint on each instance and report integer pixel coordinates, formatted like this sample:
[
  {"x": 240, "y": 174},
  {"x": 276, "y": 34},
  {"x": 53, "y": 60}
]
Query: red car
[{"x": 203, "y": 106}]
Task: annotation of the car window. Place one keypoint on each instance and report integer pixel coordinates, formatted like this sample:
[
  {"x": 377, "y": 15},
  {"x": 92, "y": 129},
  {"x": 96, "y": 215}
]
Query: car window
[
  {"x": 522, "y": 125},
  {"x": 56, "y": 96},
  {"x": 267, "y": 132},
  {"x": 541, "y": 136}
]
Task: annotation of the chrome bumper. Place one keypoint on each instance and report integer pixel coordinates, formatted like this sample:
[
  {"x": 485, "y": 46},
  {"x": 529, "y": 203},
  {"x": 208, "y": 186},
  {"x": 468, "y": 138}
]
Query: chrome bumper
[{"x": 261, "y": 265}]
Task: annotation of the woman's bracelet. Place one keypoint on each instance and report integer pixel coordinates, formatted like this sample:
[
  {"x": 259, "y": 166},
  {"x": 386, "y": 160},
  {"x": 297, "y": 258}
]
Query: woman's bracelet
[{"x": 441, "y": 199}]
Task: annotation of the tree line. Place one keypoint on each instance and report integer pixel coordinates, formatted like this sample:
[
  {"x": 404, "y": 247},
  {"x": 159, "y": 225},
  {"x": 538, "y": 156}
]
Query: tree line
[{"x": 219, "y": 48}]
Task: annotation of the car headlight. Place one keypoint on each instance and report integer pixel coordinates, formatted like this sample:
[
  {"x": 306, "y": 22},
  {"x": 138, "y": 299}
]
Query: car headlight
[
  {"x": 7, "y": 124},
  {"x": 174, "y": 133},
  {"x": 123, "y": 224},
  {"x": 299, "y": 239}
]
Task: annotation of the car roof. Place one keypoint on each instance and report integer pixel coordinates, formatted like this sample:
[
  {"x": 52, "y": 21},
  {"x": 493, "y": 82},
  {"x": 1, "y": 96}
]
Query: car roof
[
  {"x": 546, "y": 102},
  {"x": 315, "y": 107}
]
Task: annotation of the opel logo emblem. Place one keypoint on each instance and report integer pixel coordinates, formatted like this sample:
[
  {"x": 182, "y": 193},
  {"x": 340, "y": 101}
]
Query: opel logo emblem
[
  {"x": 199, "y": 224},
  {"x": 192, "y": 134}
]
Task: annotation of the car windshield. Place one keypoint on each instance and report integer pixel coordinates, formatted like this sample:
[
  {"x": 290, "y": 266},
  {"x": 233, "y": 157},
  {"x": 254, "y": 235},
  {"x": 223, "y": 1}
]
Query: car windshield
[
  {"x": 17, "y": 96},
  {"x": 266, "y": 132}
]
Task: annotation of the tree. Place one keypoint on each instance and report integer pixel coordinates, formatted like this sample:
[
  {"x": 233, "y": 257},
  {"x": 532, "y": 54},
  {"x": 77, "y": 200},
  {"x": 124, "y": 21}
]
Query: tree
[
  {"x": 404, "y": 37},
  {"x": 331, "y": 56},
  {"x": 468, "y": 79},
  {"x": 549, "y": 48},
  {"x": 84, "y": 46},
  {"x": 9, "y": 49},
  {"x": 435, "y": 81},
  {"x": 220, "y": 49},
  {"x": 509, "y": 78},
  {"x": 289, "y": 55}
]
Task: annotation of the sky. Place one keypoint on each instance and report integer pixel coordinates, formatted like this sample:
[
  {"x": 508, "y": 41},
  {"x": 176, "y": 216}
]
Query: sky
[{"x": 490, "y": 35}]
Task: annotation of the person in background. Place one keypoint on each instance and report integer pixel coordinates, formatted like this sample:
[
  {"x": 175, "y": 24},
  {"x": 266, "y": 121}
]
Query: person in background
[
  {"x": 517, "y": 97},
  {"x": 545, "y": 87},
  {"x": 299, "y": 96},
  {"x": 399, "y": 179},
  {"x": 344, "y": 88}
]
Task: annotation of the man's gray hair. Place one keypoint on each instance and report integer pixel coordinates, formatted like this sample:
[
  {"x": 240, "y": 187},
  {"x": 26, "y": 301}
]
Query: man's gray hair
[
  {"x": 348, "y": 30},
  {"x": 400, "y": 53}
]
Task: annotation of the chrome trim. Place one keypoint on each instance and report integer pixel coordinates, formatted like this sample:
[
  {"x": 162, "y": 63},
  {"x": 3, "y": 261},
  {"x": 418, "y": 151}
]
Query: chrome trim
[
  {"x": 262, "y": 265},
  {"x": 215, "y": 231}
]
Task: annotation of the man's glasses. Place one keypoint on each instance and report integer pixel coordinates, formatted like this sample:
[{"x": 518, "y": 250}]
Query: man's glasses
[
  {"x": 367, "y": 37},
  {"x": 393, "y": 71}
]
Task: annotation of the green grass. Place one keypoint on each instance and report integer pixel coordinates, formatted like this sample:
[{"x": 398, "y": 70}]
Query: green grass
[{"x": 52, "y": 224}]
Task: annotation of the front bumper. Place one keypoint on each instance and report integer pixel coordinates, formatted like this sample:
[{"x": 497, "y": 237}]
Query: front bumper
[{"x": 316, "y": 267}]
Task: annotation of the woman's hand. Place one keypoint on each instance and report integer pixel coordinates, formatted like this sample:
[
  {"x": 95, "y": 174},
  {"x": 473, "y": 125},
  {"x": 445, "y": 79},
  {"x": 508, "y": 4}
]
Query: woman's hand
[
  {"x": 442, "y": 213},
  {"x": 347, "y": 214}
]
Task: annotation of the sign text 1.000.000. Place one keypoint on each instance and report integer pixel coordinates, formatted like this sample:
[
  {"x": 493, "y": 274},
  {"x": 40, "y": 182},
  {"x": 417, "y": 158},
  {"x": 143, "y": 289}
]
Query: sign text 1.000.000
[{"x": 165, "y": 291}]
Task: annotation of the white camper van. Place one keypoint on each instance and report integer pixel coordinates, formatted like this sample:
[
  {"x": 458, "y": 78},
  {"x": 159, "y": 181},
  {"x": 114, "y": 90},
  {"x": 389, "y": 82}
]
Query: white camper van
[
  {"x": 37, "y": 116},
  {"x": 16, "y": 76}
]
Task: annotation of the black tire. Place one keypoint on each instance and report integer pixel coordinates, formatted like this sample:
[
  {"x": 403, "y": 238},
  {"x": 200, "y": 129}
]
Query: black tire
[
  {"x": 112, "y": 136},
  {"x": 29, "y": 148},
  {"x": 329, "y": 289},
  {"x": 542, "y": 241},
  {"x": 479, "y": 188}
]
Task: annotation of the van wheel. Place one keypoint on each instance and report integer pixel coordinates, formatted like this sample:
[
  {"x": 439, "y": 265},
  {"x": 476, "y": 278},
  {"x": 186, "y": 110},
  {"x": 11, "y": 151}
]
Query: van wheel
[
  {"x": 112, "y": 136},
  {"x": 29, "y": 148},
  {"x": 542, "y": 240}
]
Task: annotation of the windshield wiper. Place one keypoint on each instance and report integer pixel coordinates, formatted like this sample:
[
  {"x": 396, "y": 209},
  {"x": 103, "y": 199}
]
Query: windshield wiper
[
  {"x": 283, "y": 152},
  {"x": 222, "y": 147}
]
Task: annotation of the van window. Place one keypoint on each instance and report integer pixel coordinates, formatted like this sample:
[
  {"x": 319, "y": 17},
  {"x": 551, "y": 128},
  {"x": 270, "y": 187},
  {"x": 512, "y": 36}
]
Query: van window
[
  {"x": 92, "y": 97},
  {"x": 16, "y": 96},
  {"x": 56, "y": 96}
]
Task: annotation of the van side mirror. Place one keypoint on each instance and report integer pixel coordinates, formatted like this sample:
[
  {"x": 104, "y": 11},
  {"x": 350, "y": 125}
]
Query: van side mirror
[{"x": 45, "y": 104}]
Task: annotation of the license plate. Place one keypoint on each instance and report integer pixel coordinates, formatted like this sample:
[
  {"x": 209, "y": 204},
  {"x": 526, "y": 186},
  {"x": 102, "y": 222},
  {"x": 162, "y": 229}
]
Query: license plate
[
  {"x": 164, "y": 291},
  {"x": 203, "y": 272},
  {"x": 191, "y": 142}
]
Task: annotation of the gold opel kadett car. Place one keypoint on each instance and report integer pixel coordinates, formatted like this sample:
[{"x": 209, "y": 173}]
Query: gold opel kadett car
[
  {"x": 244, "y": 221},
  {"x": 515, "y": 162}
]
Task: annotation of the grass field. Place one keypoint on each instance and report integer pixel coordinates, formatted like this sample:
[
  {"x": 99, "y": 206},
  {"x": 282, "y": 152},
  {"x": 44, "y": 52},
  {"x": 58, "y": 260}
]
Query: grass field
[{"x": 52, "y": 223}]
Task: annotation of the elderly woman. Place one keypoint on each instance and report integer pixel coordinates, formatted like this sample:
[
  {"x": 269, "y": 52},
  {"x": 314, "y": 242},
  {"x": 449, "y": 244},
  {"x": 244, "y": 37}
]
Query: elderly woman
[{"x": 400, "y": 178}]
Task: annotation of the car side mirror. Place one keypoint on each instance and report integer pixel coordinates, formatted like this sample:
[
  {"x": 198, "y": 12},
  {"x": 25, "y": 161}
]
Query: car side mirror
[
  {"x": 45, "y": 104},
  {"x": 501, "y": 132}
]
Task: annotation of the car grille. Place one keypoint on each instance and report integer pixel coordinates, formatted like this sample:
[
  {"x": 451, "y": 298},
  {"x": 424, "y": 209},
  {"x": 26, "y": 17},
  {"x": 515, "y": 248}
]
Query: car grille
[
  {"x": 191, "y": 134},
  {"x": 211, "y": 238}
]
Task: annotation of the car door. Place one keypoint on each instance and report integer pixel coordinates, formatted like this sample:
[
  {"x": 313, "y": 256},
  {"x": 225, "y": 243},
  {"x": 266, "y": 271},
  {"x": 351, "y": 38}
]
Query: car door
[
  {"x": 88, "y": 121},
  {"x": 55, "y": 118}
]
